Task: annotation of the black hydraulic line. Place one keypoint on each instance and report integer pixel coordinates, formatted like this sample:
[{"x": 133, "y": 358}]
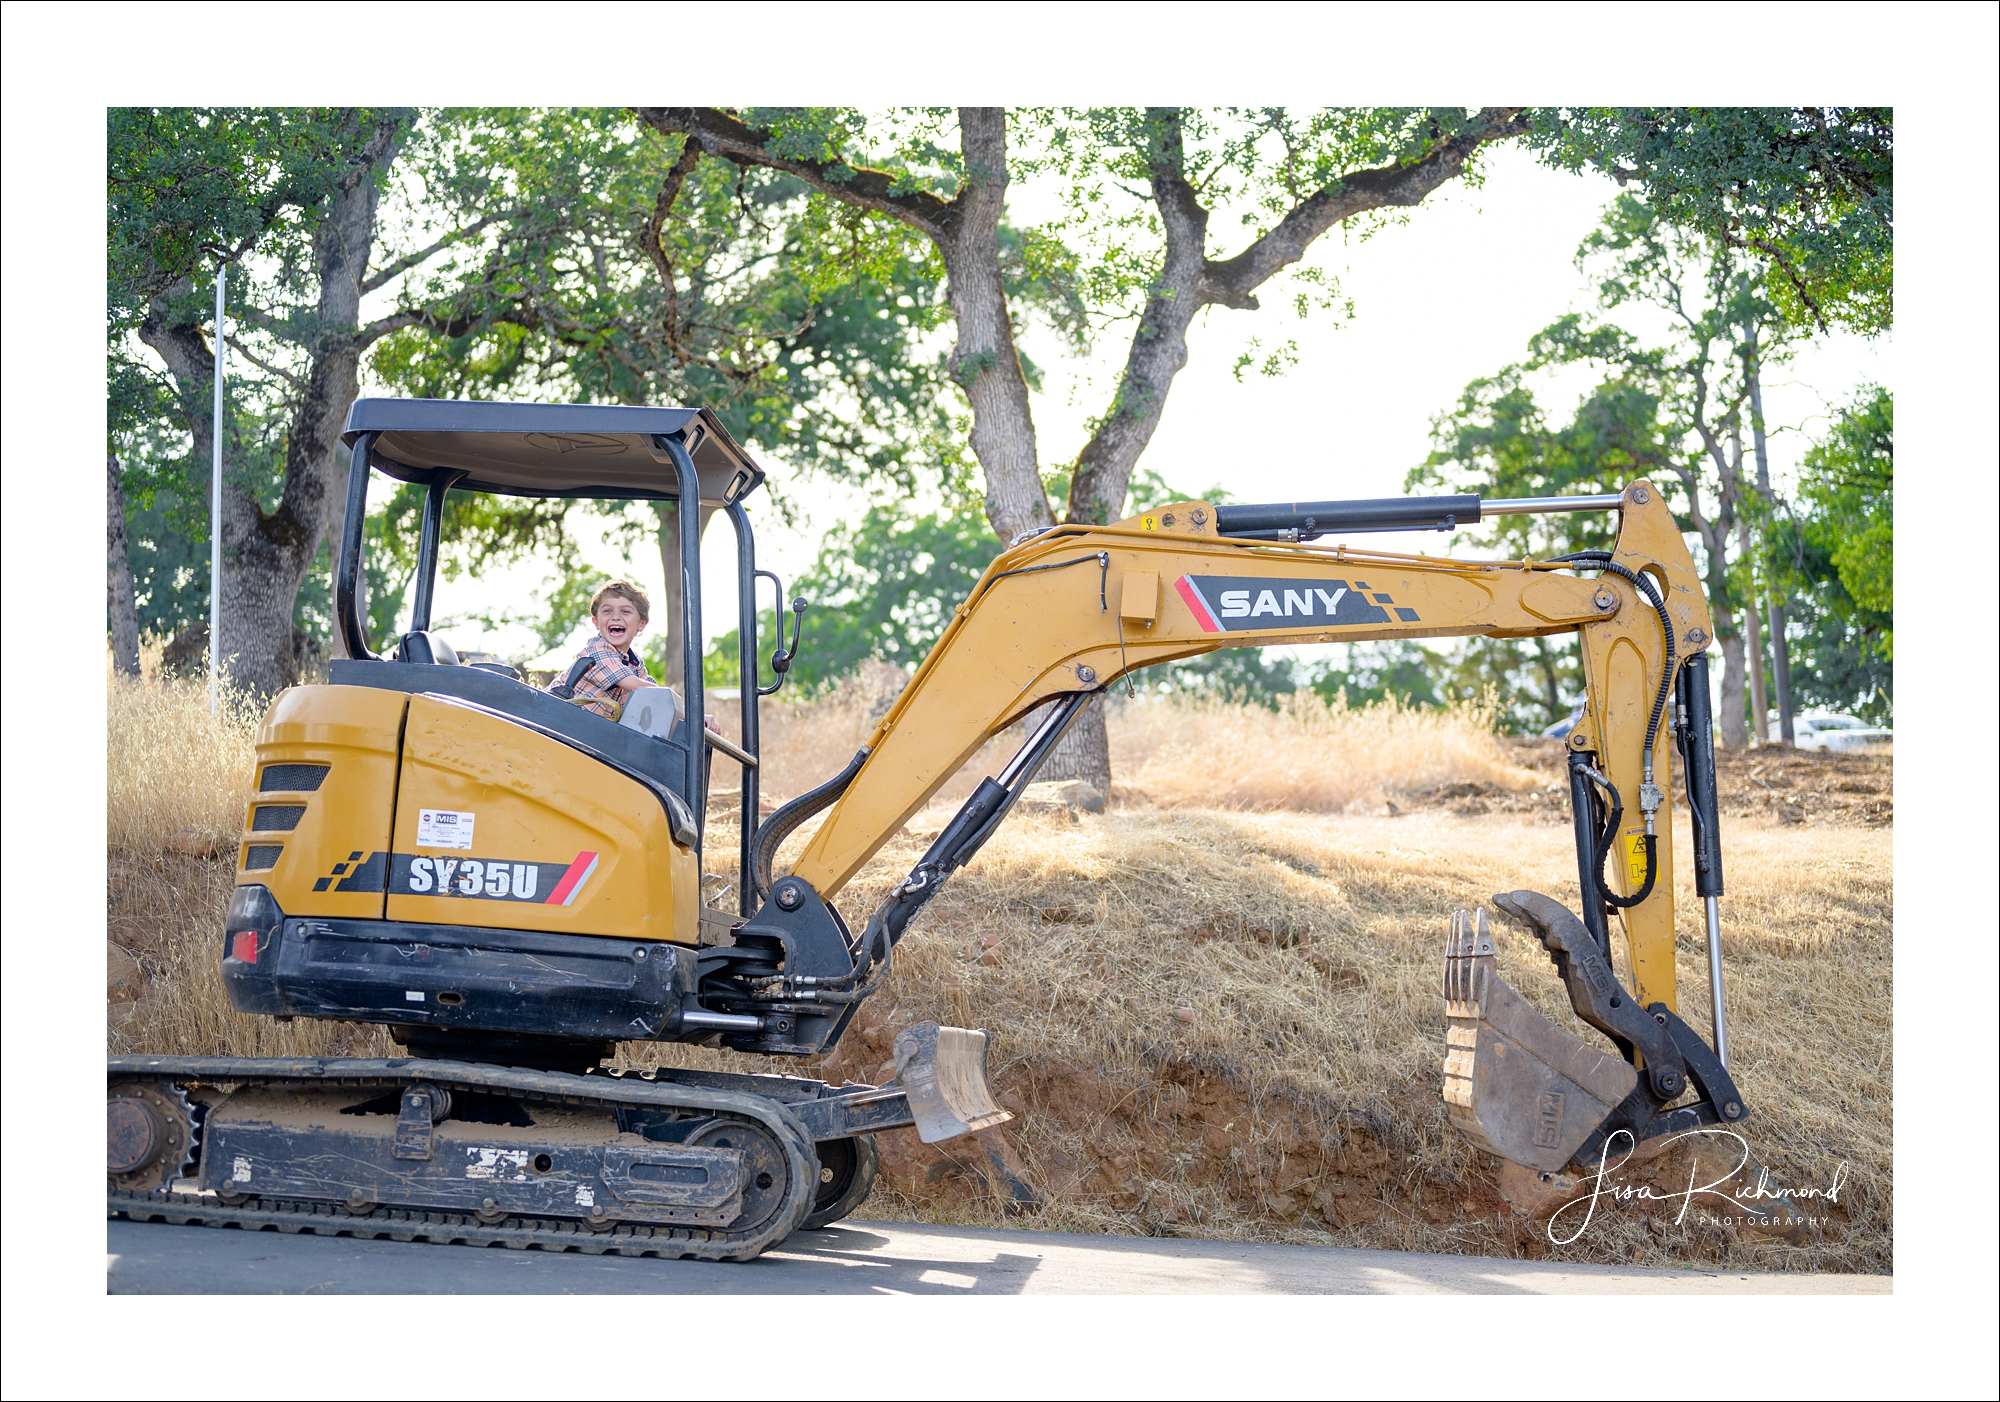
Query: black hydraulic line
[
  {"x": 1601, "y": 560},
  {"x": 1584, "y": 810},
  {"x": 1102, "y": 557},
  {"x": 1608, "y": 838},
  {"x": 773, "y": 831}
]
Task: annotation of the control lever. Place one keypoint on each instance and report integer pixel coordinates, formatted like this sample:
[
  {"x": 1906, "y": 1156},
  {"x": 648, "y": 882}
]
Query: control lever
[{"x": 784, "y": 655}]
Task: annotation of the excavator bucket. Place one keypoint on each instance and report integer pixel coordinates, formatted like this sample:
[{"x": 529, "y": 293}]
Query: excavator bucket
[
  {"x": 943, "y": 1072},
  {"x": 1515, "y": 1083}
]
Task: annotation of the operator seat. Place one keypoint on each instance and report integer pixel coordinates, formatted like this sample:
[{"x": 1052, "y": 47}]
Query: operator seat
[{"x": 425, "y": 647}]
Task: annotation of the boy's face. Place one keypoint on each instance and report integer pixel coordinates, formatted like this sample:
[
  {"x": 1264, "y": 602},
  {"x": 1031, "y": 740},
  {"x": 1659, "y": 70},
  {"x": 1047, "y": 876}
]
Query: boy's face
[{"x": 617, "y": 621}]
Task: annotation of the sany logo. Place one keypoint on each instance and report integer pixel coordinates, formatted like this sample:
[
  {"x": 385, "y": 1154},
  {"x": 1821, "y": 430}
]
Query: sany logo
[
  {"x": 1232, "y": 604},
  {"x": 1236, "y": 602},
  {"x": 492, "y": 880}
]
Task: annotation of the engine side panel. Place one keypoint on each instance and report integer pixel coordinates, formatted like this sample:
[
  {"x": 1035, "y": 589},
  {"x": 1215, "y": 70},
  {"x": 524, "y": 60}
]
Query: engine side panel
[
  {"x": 501, "y": 827},
  {"x": 317, "y": 830}
]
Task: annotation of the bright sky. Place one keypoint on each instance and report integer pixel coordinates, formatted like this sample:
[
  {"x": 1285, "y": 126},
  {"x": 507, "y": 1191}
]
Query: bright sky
[{"x": 1452, "y": 294}]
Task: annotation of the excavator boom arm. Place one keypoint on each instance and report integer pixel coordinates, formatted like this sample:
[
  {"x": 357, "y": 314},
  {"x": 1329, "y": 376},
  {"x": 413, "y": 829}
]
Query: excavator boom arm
[
  {"x": 1073, "y": 609},
  {"x": 1064, "y": 614}
]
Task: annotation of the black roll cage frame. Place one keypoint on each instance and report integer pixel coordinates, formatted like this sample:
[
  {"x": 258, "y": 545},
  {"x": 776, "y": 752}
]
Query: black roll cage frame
[{"x": 439, "y": 482}]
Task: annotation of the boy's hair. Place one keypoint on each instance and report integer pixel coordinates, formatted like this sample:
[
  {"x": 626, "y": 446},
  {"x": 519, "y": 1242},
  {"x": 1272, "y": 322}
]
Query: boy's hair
[{"x": 631, "y": 593}]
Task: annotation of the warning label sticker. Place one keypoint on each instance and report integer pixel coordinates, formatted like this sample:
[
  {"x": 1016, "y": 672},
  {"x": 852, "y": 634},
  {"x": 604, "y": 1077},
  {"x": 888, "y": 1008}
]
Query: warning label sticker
[
  {"x": 1635, "y": 859},
  {"x": 440, "y": 827}
]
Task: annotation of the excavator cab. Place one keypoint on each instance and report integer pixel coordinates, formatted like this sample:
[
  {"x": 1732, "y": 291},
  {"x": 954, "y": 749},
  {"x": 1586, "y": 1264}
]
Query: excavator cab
[{"x": 471, "y": 860}]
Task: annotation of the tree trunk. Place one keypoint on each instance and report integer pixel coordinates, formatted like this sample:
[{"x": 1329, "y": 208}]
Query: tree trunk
[
  {"x": 1781, "y": 668},
  {"x": 984, "y": 361},
  {"x": 1545, "y": 661},
  {"x": 1084, "y": 752},
  {"x": 259, "y": 594},
  {"x": 265, "y": 555},
  {"x": 121, "y": 607},
  {"x": 1159, "y": 346},
  {"x": 1781, "y": 652},
  {"x": 1759, "y": 717},
  {"x": 1735, "y": 734}
]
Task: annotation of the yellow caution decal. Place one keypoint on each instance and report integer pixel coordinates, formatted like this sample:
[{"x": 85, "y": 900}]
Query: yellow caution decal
[{"x": 1635, "y": 859}]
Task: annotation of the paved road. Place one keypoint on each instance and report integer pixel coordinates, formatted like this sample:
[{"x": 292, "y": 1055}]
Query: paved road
[{"x": 887, "y": 1258}]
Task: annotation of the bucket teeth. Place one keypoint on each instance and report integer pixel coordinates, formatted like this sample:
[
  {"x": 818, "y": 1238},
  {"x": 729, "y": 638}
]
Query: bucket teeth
[{"x": 1514, "y": 1083}]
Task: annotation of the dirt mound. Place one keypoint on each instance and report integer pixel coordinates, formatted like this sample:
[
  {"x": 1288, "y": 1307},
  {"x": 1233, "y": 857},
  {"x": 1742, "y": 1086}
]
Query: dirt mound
[{"x": 1771, "y": 783}]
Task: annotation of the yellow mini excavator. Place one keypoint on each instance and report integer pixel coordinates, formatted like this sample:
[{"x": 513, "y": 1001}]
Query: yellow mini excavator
[{"x": 513, "y": 885}]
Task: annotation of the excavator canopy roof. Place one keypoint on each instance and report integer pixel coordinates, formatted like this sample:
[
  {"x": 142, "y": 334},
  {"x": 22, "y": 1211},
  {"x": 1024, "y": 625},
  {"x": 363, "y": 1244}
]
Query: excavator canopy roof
[{"x": 550, "y": 450}]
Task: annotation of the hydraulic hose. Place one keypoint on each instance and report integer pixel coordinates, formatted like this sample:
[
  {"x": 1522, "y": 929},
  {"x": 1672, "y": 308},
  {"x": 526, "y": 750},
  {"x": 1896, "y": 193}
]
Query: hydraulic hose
[
  {"x": 1606, "y": 836},
  {"x": 1650, "y": 794}
]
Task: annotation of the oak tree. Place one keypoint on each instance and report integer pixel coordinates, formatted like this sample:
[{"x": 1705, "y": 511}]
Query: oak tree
[{"x": 1292, "y": 176}]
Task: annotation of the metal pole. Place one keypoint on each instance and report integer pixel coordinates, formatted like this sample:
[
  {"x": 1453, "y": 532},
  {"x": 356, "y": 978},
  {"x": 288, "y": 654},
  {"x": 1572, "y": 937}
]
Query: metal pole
[
  {"x": 1539, "y": 506},
  {"x": 1715, "y": 978},
  {"x": 215, "y": 507}
]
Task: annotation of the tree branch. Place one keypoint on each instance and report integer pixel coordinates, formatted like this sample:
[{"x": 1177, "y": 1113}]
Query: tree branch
[
  {"x": 411, "y": 260},
  {"x": 1232, "y": 281},
  {"x": 1159, "y": 343},
  {"x": 656, "y": 248},
  {"x": 375, "y": 330},
  {"x": 287, "y": 376},
  {"x": 719, "y": 133}
]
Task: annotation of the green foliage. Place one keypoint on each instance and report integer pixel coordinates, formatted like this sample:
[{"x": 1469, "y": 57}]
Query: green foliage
[
  {"x": 1376, "y": 671},
  {"x": 808, "y": 326},
  {"x": 883, "y": 587},
  {"x": 1497, "y": 442},
  {"x": 190, "y": 188},
  {"x": 1832, "y": 550},
  {"x": 1810, "y": 190},
  {"x": 1243, "y": 675},
  {"x": 1148, "y": 490},
  {"x": 1848, "y": 486},
  {"x": 1251, "y": 165}
]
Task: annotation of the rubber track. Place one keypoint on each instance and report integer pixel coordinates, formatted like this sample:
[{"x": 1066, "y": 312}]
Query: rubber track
[
  {"x": 452, "y": 1228},
  {"x": 436, "y": 1228}
]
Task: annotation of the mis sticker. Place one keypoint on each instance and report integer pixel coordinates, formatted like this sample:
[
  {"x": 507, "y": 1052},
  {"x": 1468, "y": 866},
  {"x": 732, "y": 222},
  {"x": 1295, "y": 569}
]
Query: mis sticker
[{"x": 440, "y": 827}]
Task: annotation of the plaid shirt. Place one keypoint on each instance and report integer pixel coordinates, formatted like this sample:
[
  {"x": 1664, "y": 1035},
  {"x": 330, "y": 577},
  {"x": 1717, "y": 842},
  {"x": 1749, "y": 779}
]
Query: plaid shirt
[{"x": 608, "y": 668}]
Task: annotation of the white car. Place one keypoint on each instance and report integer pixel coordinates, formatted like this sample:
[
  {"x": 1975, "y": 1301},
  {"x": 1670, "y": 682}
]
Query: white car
[{"x": 1828, "y": 730}]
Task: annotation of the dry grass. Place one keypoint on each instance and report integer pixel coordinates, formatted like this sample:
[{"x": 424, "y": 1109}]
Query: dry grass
[
  {"x": 1300, "y": 1103},
  {"x": 1295, "y": 925},
  {"x": 1304, "y": 756},
  {"x": 174, "y": 767},
  {"x": 178, "y": 782}
]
